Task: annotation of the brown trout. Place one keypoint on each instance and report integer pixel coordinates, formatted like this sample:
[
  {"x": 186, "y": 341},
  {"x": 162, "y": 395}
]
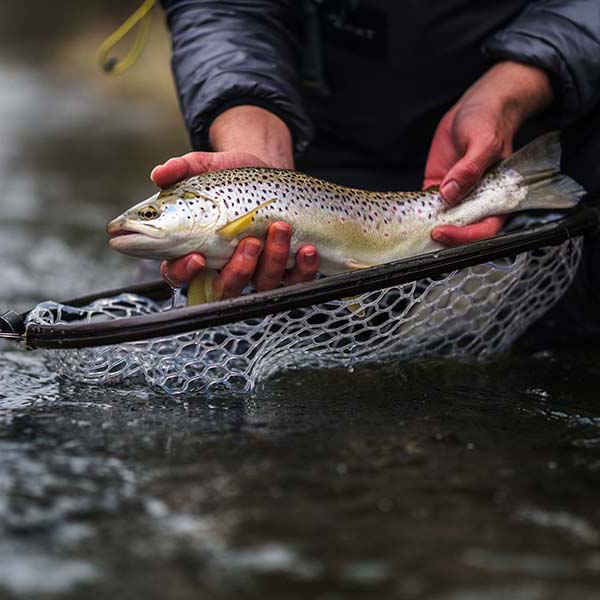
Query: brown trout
[{"x": 351, "y": 228}]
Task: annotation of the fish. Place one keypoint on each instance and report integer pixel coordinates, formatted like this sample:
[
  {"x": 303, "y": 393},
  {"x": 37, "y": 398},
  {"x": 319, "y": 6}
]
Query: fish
[{"x": 351, "y": 228}]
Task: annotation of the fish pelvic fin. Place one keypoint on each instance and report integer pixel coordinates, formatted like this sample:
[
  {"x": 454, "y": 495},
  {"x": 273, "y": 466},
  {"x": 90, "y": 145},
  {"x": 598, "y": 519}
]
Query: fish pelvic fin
[
  {"x": 538, "y": 163},
  {"x": 234, "y": 228},
  {"x": 202, "y": 289}
]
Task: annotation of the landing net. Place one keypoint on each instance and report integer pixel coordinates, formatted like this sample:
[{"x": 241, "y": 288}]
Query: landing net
[{"x": 476, "y": 312}]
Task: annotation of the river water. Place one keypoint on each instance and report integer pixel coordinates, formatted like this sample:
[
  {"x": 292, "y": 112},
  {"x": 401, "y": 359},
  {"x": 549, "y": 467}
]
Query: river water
[{"x": 429, "y": 480}]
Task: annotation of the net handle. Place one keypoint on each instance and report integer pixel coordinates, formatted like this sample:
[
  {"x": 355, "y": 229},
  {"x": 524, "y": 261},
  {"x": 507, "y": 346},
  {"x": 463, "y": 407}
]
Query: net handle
[{"x": 585, "y": 219}]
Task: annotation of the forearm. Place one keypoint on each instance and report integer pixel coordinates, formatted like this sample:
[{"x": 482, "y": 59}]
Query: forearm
[
  {"x": 256, "y": 131},
  {"x": 228, "y": 51},
  {"x": 515, "y": 90},
  {"x": 562, "y": 37}
]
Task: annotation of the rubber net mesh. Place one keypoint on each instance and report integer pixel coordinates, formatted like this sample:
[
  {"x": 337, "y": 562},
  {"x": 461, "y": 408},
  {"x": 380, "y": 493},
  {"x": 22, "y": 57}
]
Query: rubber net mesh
[{"x": 475, "y": 312}]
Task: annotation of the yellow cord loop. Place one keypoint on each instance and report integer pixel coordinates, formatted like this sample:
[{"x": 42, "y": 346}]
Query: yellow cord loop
[{"x": 143, "y": 16}]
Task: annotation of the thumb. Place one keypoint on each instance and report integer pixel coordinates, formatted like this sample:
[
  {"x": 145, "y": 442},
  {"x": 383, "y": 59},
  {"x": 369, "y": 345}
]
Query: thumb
[
  {"x": 467, "y": 172},
  {"x": 174, "y": 170}
]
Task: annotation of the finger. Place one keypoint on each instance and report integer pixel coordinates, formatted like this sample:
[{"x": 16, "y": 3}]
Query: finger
[
  {"x": 196, "y": 163},
  {"x": 482, "y": 152},
  {"x": 306, "y": 267},
  {"x": 450, "y": 235},
  {"x": 274, "y": 257},
  {"x": 174, "y": 170},
  {"x": 442, "y": 153},
  {"x": 201, "y": 162},
  {"x": 239, "y": 270},
  {"x": 179, "y": 272},
  {"x": 188, "y": 165}
]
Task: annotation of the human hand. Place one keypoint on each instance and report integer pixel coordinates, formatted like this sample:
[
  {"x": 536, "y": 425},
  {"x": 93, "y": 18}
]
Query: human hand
[
  {"x": 264, "y": 266},
  {"x": 478, "y": 131}
]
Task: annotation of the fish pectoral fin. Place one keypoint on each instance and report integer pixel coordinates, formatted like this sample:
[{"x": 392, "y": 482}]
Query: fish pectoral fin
[
  {"x": 202, "y": 289},
  {"x": 232, "y": 229},
  {"x": 354, "y": 265}
]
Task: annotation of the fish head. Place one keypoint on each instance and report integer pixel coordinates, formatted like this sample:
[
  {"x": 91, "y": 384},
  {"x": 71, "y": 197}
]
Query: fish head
[{"x": 173, "y": 222}]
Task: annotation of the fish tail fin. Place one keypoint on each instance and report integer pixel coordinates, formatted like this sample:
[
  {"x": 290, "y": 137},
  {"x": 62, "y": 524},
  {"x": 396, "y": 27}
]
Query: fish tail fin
[{"x": 538, "y": 163}]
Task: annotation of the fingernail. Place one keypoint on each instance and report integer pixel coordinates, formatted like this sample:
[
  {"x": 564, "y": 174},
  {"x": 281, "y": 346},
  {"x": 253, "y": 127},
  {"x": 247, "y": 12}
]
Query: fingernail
[
  {"x": 310, "y": 256},
  {"x": 442, "y": 238},
  {"x": 194, "y": 264},
  {"x": 251, "y": 249},
  {"x": 451, "y": 191},
  {"x": 282, "y": 234}
]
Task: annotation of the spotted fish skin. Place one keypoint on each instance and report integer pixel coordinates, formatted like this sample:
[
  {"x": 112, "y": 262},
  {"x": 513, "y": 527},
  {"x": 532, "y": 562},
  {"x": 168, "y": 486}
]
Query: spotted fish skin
[{"x": 351, "y": 228}]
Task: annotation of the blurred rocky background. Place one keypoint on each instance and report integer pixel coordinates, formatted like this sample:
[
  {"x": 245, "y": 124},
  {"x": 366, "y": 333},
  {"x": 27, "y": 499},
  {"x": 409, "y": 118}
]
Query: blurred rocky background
[
  {"x": 76, "y": 145},
  {"x": 62, "y": 37}
]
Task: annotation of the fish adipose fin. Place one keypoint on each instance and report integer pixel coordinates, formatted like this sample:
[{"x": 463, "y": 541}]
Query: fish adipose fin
[
  {"x": 538, "y": 163},
  {"x": 232, "y": 229},
  {"x": 201, "y": 289}
]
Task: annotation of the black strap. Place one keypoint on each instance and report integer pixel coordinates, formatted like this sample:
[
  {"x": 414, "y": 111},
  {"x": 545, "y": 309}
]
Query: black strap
[{"x": 11, "y": 324}]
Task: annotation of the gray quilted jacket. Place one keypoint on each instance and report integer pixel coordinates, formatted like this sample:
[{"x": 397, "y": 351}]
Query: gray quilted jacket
[{"x": 372, "y": 76}]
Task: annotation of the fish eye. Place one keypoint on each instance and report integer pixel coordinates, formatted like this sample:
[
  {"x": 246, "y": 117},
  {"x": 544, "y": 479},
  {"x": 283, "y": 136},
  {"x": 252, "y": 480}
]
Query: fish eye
[{"x": 148, "y": 213}]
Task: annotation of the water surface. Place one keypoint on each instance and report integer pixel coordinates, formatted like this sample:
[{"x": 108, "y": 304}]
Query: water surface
[{"x": 429, "y": 480}]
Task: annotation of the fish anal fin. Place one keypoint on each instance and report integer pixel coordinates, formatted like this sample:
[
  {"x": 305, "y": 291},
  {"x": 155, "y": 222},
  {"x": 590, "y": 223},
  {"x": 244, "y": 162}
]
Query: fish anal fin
[
  {"x": 202, "y": 290},
  {"x": 234, "y": 228}
]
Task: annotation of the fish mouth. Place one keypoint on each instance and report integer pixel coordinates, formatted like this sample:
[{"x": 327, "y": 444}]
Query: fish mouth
[
  {"x": 136, "y": 240},
  {"x": 118, "y": 228},
  {"x": 120, "y": 233},
  {"x": 122, "y": 240}
]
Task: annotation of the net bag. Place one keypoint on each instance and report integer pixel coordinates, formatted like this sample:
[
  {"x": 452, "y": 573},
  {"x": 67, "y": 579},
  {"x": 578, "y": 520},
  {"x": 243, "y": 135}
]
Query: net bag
[{"x": 476, "y": 312}]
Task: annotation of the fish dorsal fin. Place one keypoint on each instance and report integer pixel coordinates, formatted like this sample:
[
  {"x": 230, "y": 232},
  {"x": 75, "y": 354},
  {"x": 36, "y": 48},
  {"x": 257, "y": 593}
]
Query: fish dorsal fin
[
  {"x": 232, "y": 229},
  {"x": 432, "y": 188}
]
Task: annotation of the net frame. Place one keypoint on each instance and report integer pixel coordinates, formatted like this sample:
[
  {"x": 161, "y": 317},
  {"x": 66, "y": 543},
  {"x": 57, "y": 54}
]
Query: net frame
[{"x": 473, "y": 313}]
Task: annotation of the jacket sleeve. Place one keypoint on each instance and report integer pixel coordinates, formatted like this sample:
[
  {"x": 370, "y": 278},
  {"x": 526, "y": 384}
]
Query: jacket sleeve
[
  {"x": 563, "y": 38},
  {"x": 232, "y": 52}
]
